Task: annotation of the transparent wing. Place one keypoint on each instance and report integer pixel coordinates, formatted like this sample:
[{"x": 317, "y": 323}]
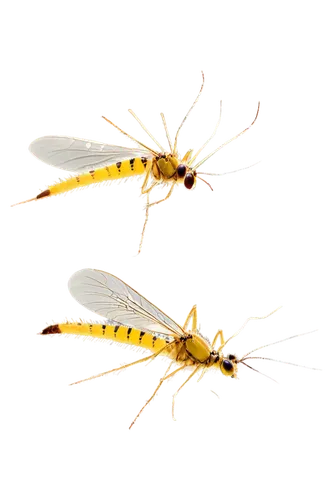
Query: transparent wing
[
  {"x": 80, "y": 155},
  {"x": 110, "y": 297}
]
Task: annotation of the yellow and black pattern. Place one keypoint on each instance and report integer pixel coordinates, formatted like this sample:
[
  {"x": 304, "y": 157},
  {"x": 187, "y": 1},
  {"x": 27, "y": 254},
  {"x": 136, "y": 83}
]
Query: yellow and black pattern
[
  {"x": 119, "y": 170},
  {"x": 118, "y": 333}
]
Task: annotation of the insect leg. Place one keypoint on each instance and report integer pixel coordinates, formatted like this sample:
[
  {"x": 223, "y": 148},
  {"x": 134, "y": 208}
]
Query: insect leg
[
  {"x": 145, "y": 181},
  {"x": 146, "y": 217},
  {"x": 174, "y": 401},
  {"x": 219, "y": 340},
  {"x": 117, "y": 369},
  {"x": 252, "y": 318},
  {"x": 166, "y": 129},
  {"x": 192, "y": 314},
  {"x": 145, "y": 129},
  {"x": 214, "y": 393},
  {"x": 167, "y": 196},
  {"x": 123, "y": 131},
  {"x": 167, "y": 375}
]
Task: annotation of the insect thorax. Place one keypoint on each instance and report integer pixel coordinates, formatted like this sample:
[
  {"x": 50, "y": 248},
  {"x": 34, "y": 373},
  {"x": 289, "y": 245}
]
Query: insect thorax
[{"x": 165, "y": 166}]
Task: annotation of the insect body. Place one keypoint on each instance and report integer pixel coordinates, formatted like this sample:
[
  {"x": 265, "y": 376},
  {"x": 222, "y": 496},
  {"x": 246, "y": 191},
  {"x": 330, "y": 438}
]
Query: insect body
[
  {"x": 134, "y": 320},
  {"x": 93, "y": 162}
]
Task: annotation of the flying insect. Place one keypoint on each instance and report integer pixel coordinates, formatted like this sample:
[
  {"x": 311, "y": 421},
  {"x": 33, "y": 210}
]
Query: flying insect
[
  {"x": 132, "y": 319},
  {"x": 93, "y": 162}
]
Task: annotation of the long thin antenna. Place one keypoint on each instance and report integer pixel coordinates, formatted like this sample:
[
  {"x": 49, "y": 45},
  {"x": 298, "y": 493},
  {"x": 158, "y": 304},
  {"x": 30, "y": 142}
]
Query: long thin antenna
[
  {"x": 261, "y": 373},
  {"x": 166, "y": 131},
  {"x": 210, "y": 138},
  {"x": 145, "y": 129},
  {"x": 127, "y": 135},
  {"x": 284, "y": 362},
  {"x": 231, "y": 171}
]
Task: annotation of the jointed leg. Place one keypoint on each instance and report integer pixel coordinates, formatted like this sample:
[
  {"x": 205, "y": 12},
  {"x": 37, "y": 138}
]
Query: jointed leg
[
  {"x": 168, "y": 374},
  {"x": 192, "y": 314},
  {"x": 167, "y": 196},
  {"x": 145, "y": 129},
  {"x": 252, "y": 318},
  {"x": 145, "y": 182},
  {"x": 219, "y": 339},
  {"x": 146, "y": 217},
  {"x": 214, "y": 393},
  {"x": 131, "y": 137},
  {"x": 174, "y": 401},
  {"x": 110, "y": 371},
  {"x": 166, "y": 129}
]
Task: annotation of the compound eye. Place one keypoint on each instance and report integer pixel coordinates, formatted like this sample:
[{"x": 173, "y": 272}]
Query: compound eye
[
  {"x": 227, "y": 365},
  {"x": 181, "y": 171},
  {"x": 189, "y": 180}
]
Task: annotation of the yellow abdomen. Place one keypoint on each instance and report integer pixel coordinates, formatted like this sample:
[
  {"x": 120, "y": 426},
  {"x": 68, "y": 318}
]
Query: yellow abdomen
[
  {"x": 120, "y": 170},
  {"x": 122, "y": 334}
]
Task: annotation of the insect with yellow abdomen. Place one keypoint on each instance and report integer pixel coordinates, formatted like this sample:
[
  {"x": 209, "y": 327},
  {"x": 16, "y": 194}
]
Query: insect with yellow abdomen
[
  {"x": 134, "y": 320},
  {"x": 95, "y": 162}
]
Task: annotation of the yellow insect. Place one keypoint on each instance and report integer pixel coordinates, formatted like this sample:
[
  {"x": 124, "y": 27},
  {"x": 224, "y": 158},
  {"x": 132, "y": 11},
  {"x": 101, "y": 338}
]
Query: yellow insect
[
  {"x": 94, "y": 162},
  {"x": 134, "y": 320}
]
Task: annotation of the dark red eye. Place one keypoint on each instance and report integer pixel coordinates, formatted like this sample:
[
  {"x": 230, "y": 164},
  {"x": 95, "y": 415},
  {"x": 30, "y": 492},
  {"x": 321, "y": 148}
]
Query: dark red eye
[
  {"x": 181, "y": 170},
  {"x": 189, "y": 180}
]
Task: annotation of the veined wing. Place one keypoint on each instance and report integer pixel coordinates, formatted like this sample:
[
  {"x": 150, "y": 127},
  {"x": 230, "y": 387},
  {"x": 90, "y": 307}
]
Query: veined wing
[
  {"x": 110, "y": 297},
  {"x": 80, "y": 155}
]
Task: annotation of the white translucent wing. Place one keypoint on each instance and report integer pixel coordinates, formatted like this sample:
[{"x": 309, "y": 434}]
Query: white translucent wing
[
  {"x": 80, "y": 155},
  {"x": 110, "y": 297}
]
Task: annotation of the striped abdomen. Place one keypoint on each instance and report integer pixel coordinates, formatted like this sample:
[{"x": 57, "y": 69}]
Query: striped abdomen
[
  {"x": 122, "y": 334},
  {"x": 120, "y": 170}
]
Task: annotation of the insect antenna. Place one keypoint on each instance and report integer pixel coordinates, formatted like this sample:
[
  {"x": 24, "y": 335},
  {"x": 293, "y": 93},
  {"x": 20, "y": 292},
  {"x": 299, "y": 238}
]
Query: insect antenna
[
  {"x": 166, "y": 131},
  {"x": 277, "y": 342},
  {"x": 195, "y": 101},
  {"x": 238, "y": 135},
  {"x": 128, "y": 135},
  {"x": 259, "y": 372},
  {"x": 146, "y": 130},
  {"x": 272, "y": 360},
  {"x": 215, "y": 131},
  {"x": 230, "y": 171},
  {"x": 206, "y": 182}
]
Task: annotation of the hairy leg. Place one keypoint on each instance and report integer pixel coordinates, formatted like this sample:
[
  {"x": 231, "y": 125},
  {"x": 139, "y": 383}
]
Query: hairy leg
[
  {"x": 166, "y": 129},
  {"x": 219, "y": 339},
  {"x": 174, "y": 401},
  {"x": 144, "y": 127},
  {"x": 110, "y": 371},
  {"x": 192, "y": 315},
  {"x": 168, "y": 374},
  {"x": 131, "y": 137},
  {"x": 164, "y": 199}
]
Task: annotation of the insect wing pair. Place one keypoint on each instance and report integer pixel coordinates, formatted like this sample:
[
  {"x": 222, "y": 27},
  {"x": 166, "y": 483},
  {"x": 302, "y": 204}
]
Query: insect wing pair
[
  {"x": 143, "y": 326},
  {"x": 93, "y": 162}
]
